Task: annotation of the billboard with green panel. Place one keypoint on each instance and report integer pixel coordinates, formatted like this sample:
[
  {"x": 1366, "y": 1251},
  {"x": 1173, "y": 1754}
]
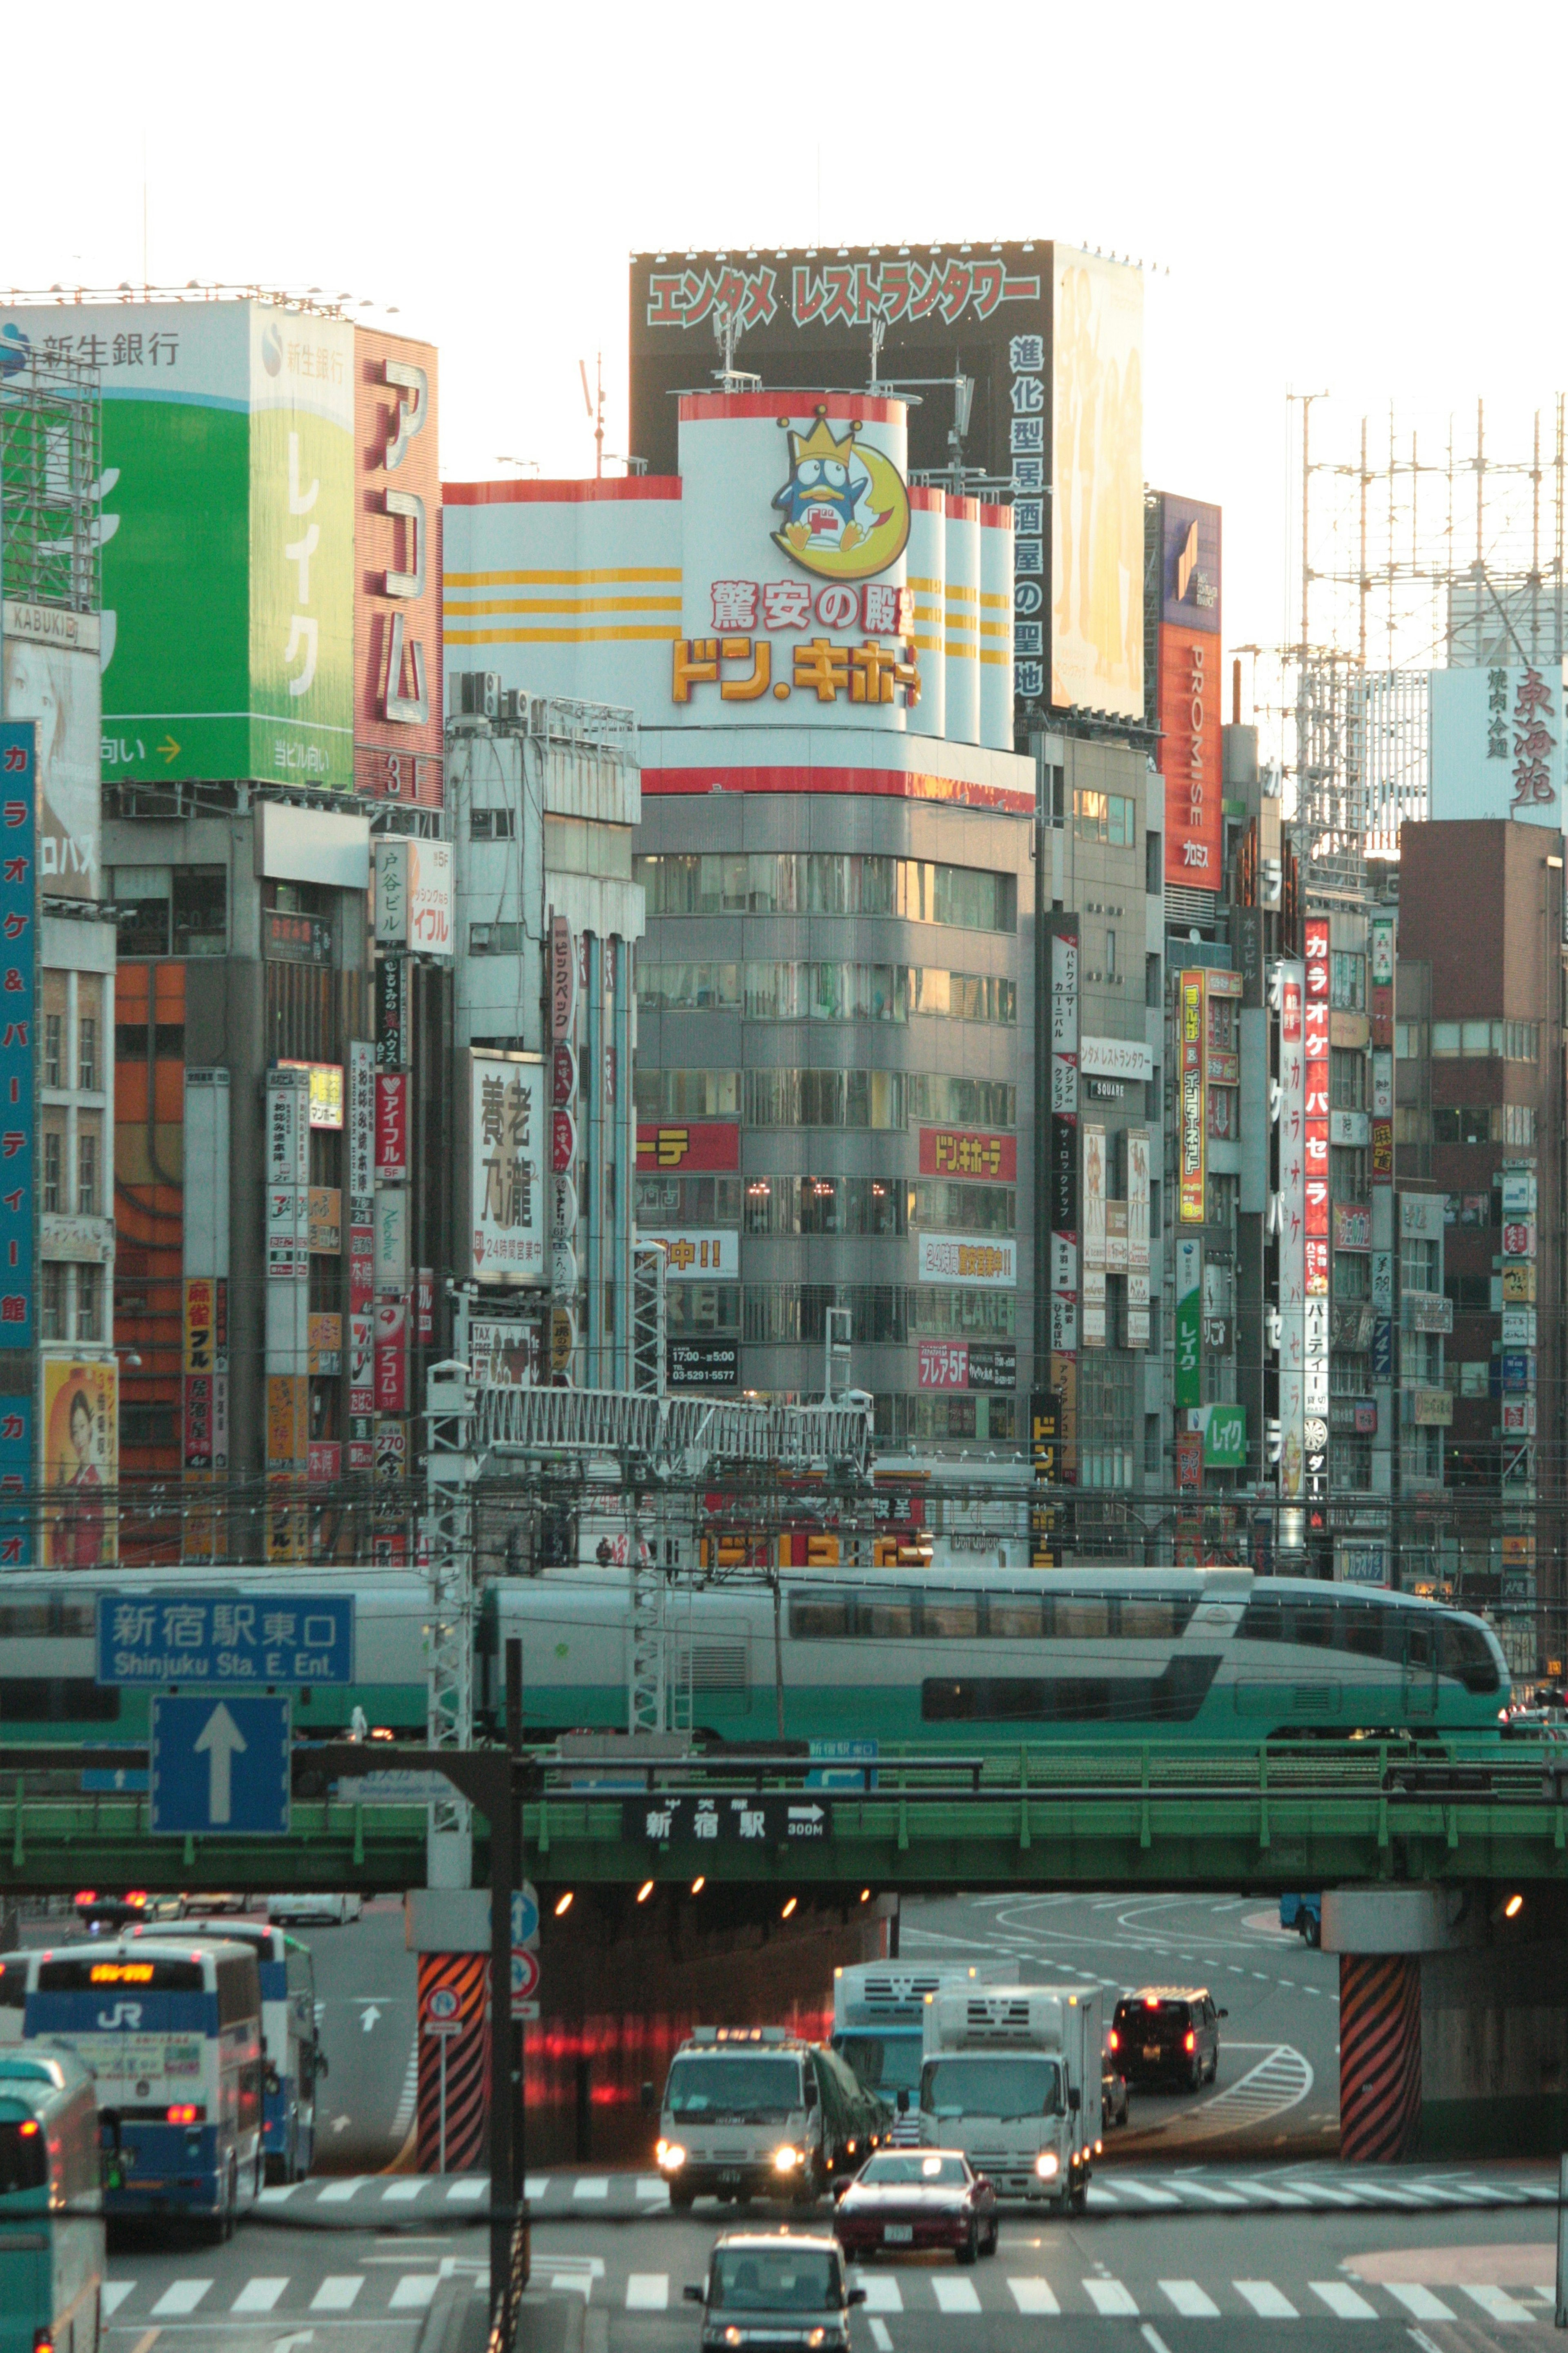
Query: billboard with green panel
[{"x": 226, "y": 526}]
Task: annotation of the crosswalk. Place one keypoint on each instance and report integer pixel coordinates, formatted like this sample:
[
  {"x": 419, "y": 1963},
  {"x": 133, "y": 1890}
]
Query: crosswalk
[
  {"x": 622, "y": 2196},
  {"x": 362, "y": 2294},
  {"x": 939, "y": 2295}
]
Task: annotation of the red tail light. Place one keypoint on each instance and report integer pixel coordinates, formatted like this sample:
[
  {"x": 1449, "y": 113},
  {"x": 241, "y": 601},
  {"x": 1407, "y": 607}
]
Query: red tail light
[
  {"x": 1152, "y": 2003},
  {"x": 187, "y": 2114},
  {"x": 87, "y": 1895},
  {"x": 1115, "y": 2040},
  {"x": 28, "y": 2129},
  {"x": 1189, "y": 2040}
]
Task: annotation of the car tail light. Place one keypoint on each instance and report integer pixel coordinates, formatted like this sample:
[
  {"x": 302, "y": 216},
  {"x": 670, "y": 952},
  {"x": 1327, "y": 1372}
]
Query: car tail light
[
  {"x": 26, "y": 2131},
  {"x": 43, "y": 2340},
  {"x": 87, "y": 1895},
  {"x": 1152, "y": 2002},
  {"x": 186, "y": 2113},
  {"x": 1189, "y": 2040},
  {"x": 1115, "y": 2040}
]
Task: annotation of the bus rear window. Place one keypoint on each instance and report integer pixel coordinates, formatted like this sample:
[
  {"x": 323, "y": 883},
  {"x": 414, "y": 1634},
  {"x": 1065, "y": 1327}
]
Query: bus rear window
[
  {"x": 13, "y": 1985},
  {"x": 86, "y": 1976},
  {"x": 24, "y": 2155}
]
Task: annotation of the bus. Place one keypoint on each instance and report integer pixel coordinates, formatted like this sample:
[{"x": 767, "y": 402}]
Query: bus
[
  {"x": 292, "y": 2060},
  {"x": 173, "y": 2032},
  {"x": 51, "y": 2204}
]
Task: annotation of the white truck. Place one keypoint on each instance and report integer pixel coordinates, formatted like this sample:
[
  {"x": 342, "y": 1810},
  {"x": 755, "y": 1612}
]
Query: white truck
[{"x": 1011, "y": 2075}]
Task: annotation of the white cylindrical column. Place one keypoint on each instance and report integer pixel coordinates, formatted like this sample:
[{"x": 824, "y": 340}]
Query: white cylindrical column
[
  {"x": 961, "y": 620},
  {"x": 996, "y": 627},
  {"x": 927, "y": 560}
]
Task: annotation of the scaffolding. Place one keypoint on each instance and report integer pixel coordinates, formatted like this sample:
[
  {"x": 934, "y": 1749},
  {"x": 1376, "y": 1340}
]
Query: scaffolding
[
  {"x": 50, "y": 485},
  {"x": 1418, "y": 553}
]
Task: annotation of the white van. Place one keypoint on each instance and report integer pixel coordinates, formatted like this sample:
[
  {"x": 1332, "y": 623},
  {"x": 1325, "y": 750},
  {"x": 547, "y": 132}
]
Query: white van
[{"x": 314, "y": 1911}]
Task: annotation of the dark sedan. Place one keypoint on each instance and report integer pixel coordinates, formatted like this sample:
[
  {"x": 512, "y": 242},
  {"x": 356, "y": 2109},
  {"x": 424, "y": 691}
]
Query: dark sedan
[{"x": 915, "y": 2200}]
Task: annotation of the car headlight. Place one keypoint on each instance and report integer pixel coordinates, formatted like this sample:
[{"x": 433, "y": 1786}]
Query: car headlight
[
  {"x": 732, "y": 2335},
  {"x": 786, "y": 2159},
  {"x": 1047, "y": 2165},
  {"x": 669, "y": 2155}
]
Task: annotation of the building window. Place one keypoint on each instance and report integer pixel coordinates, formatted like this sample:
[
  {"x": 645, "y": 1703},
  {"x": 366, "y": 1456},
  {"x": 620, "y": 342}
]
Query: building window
[
  {"x": 688, "y": 1201},
  {"x": 87, "y": 1174},
  {"x": 141, "y": 895},
  {"x": 825, "y": 1205},
  {"x": 52, "y": 1302},
  {"x": 1347, "y": 982},
  {"x": 1348, "y": 1172},
  {"x": 939, "y": 1208},
  {"x": 201, "y": 911},
  {"x": 90, "y": 1303},
  {"x": 1151, "y": 1452},
  {"x": 1349, "y": 1460},
  {"x": 979, "y": 1102},
  {"x": 497, "y": 939},
  {"x": 87, "y": 1054},
  {"x": 490, "y": 825},
  {"x": 687, "y": 1094},
  {"x": 852, "y": 1099},
  {"x": 1347, "y": 1079},
  {"x": 1409, "y": 1040},
  {"x": 702, "y": 1307},
  {"x": 1352, "y": 1275},
  {"x": 1111, "y": 955},
  {"x": 1417, "y": 1264},
  {"x": 54, "y": 1035},
  {"x": 54, "y": 1164},
  {"x": 1105, "y": 816},
  {"x": 825, "y": 882},
  {"x": 1512, "y": 1041},
  {"x": 1518, "y": 1123},
  {"x": 1472, "y": 1123},
  {"x": 1421, "y": 1452}
]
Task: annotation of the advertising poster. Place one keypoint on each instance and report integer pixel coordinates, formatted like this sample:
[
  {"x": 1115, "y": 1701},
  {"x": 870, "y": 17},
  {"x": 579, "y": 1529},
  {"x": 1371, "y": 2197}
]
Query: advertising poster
[
  {"x": 81, "y": 1463},
  {"x": 360, "y": 1130},
  {"x": 397, "y": 598},
  {"x": 391, "y": 1012},
  {"x": 227, "y": 435},
  {"x": 1138, "y": 1202},
  {"x": 1291, "y": 1227},
  {"x": 1094, "y": 1258},
  {"x": 1193, "y": 1024},
  {"x": 392, "y": 1356},
  {"x": 973, "y": 1262},
  {"x": 18, "y": 1057},
  {"x": 507, "y": 1142},
  {"x": 391, "y": 1124},
  {"x": 1189, "y": 1321},
  {"x": 1497, "y": 743},
  {"x": 413, "y": 887},
  {"x": 1097, "y": 479},
  {"x": 676, "y": 1147},
  {"x": 1062, "y": 1176},
  {"x": 1190, "y": 692},
  {"x": 49, "y": 673},
  {"x": 968, "y": 1152},
  {"x": 694, "y": 1255}
]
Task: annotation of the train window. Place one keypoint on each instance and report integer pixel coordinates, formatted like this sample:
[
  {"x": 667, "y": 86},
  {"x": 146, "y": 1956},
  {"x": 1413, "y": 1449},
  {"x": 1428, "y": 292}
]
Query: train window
[
  {"x": 818, "y": 1617},
  {"x": 948, "y": 1616},
  {"x": 996, "y": 1698},
  {"x": 56, "y": 1698},
  {"x": 1014, "y": 1617},
  {"x": 1081, "y": 1618},
  {"x": 58, "y": 1619},
  {"x": 1315, "y": 1625},
  {"x": 1148, "y": 1621},
  {"x": 885, "y": 1613},
  {"x": 1266, "y": 1622},
  {"x": 1361, "y": 1627},
  {"x": 1463, "y": 1652}
]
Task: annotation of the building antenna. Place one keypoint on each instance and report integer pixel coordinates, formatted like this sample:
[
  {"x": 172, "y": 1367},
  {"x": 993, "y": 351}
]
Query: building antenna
[
  {"x": 146, "y": 280},
  {"x": 597, "y": 414}
]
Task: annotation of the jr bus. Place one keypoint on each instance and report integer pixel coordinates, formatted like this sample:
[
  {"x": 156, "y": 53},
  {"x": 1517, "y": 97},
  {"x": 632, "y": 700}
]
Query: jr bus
[
  {"x": 173, "y": 2033},
  {"x": 51, "y": 2204},
  {"x": 292, "y": 2059}
]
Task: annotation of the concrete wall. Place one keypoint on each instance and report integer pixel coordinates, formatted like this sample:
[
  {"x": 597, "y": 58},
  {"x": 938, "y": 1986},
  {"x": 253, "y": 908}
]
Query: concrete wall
[{"x": 1494, "y": 2052}]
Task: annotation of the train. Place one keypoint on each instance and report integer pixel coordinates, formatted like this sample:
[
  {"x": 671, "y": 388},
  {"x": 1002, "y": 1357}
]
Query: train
[{"x": 957, "y": 1656}]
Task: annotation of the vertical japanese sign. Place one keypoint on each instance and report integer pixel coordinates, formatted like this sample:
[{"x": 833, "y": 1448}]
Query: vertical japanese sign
[
  {"x": 563, "y": 979},
  {"x": 1063, "y": 1180},
  {"x": 1497, "y": 743},
  {"x": 359, "y": 1145},
  {"x": 1093, "y": 1227},
  {"x": 1291, "y": 1222},
  {"x": 506, "y": 1143},
  {"x": 391, "y": 1012},
  {"x": 1384, "y": 950},
  {"x": 18, "y": 1131},
  {"x": 1315, "y": 1040},
  {"x": 1193, "y": 1021},
  {"x": 392, "y": 1126},
  {"x": 1137, "y": 1238},
  {"x": 1189, "y": 1321},
  {"x": 287, "y": 1308},
  {"x": 1045, "y": 1436},
  {"x": 397, "y": 595},
  {"x": 205, "y": 1367}
]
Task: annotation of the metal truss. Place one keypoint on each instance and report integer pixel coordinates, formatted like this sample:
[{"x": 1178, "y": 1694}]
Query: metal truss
[{"x": 671, "y": 1436}]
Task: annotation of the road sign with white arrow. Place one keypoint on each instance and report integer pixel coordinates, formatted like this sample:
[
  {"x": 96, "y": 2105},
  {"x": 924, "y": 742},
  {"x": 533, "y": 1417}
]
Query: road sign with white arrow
[
  {"x": 220, "y": 1764},
  {"x": 667, "y": 1821}
]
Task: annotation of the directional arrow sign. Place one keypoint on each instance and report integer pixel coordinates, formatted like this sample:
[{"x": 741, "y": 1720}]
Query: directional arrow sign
[{"x": 219, "y": 1764}]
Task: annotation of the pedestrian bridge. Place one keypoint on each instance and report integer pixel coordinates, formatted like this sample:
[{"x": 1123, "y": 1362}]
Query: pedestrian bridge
[{"x": 1090, "y": 1815}]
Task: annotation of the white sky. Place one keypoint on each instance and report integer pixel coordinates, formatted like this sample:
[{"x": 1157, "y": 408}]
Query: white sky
[{"x": 1354, "y": 198}]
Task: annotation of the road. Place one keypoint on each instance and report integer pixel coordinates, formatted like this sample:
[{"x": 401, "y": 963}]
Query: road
[
  {"x": 1277, "y": 2092},
  {"x": 1161, "y": 2263},
  {"x": 366, "y": 2003}
]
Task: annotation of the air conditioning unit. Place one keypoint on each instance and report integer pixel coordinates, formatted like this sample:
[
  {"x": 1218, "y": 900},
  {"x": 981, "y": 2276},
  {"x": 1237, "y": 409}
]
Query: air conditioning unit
[
  {"x": 478, "y": 693},
  {"x": 516, "y": 705}
]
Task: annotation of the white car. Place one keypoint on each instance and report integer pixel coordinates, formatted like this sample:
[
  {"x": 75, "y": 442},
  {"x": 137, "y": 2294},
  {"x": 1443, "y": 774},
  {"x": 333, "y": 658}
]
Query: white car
[{"x": 318, "y": 1910}]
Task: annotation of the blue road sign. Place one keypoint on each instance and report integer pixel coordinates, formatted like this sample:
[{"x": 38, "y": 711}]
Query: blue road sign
[
  {"x": 219, "y": 1762},
  {"x": 524, "y": 1916},
  {"x": 225, "y": 1641}
]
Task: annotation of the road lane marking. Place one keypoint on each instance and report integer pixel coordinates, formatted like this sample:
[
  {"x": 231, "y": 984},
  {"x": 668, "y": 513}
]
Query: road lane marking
[
  {"x": 592, "y": 2185},
  {"x": 114, "y": 2294},
  {"x": 882, "y": 2336},
  {"x": 183, "y": 2297},
  {"x": 462, "y": 2193},
  {"x": 648, "y": 2291},
  {"x": 1420, "y": 2302},
  {"x": 1150, "y": 2197},
  {"x": 337, "y": 2292},
  {"x": 1342, "y": 2301},
  {"x": 1188, "y": 2298},
  {"x": 1034, "y": 2295},
  {"x": 338, "y": 2193},
  {"x": 145, "y": 2342},
  {"x": 955, "y": 2294},
  {"x": 883, "y": 2294},
  {"x": 1265, "y": 2300},
  {"x": 278, "y": 2193},
  {"x": 405, "y": 2188},
  {"x": 415, "y": 2291},
  {"x": 652, "y": 2185},
  {"x": 1152, "y": 2338},
  {"x": 1213, "y": 2197},
  {"x": 259, "y": 2295},
  {"x": 1492, "y": 2301},
  {"x": 1110, "y": 2299}
]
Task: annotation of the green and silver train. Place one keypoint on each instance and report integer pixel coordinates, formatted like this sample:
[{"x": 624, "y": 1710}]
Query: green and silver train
[{"x": 957, "y": 1656}]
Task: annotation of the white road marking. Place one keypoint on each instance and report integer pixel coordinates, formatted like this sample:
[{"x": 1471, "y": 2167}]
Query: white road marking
[
  {"x": 278, "y": 2192},
  {"x": 462, "y": 2192},
  {"x": 1033, "y": 2295},
  {"x": 258, "y": 2296},
  {"x": 592, "y": 2185},
  {"x": 182, "y": 2297},
  {"x": 883, "y": 2293},
  {"x": 1419, "y": 2301},
  {"x": 648, "y": 2291},
  {"x": 337, "y": 2292},
  {"x": 1152, "y": 2338},
  {"x": 407, "y": 2188},
  {"x": 955, "y": 2294},
  {"x": 1492, "y": 2301},
  {"x": 652, "y": 2185},
  {"x": 882, "y": 2336},
  {"x": 413, "y": 2291},
  {"x": 403, "y": 2116},
  {"x": 1149, "y": 2196},
  {"x": 1188, "y": 2298},
  {"x": 114, "y": 2294},
  {"x": 1342, "y": 2301},
  {"x": 1210, "y": 2196},
  {"x": 338, "y": 2193},
  {"x": 1110, "y": 2298},
  {"x": 1265, "y": 2300}
]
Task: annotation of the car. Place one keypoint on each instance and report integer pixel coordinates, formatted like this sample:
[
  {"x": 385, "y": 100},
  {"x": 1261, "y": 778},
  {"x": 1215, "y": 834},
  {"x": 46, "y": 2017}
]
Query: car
[
  {"x": 102, "y": 1913},
  {"x": 315, "y": 1911},
  {"x": 1305, "y": 1915},
  {"x": 917, "y": 2199},
  {"x": 1114, "y": 2102},
  {"x": 1167, "y": 2034},
  {"x": 780, "y": 2288},
  {"x": 199, "y": 1906}
]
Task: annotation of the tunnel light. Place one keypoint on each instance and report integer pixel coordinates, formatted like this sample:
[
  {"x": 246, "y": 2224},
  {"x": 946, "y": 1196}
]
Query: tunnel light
[
  {"x": 699, "y": 1883},
  {"x": 789, "y": 1907},
  {"x": 645, "y": 1891},
  {"x": 563, "y": 1905},
  {"x": 865, "y": 1895},
  {"x": 1514, "y": 1907}
]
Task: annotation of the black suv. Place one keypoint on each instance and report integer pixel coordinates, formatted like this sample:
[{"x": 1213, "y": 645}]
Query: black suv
[{"x": 1166, "y": 2034}]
